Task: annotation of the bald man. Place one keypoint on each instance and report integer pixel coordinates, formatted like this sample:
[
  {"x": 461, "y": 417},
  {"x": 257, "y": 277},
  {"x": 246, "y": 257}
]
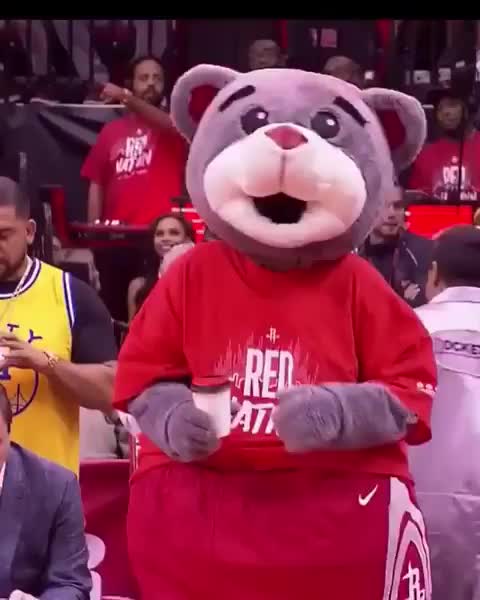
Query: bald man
[
  {"x": 265, "y": 54},
  {"x": 345, "y": 68}
]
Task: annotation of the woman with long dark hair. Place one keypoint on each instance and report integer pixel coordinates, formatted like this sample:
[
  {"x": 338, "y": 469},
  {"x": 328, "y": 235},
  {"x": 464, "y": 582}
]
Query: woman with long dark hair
[{"x": 168, "y": 230}]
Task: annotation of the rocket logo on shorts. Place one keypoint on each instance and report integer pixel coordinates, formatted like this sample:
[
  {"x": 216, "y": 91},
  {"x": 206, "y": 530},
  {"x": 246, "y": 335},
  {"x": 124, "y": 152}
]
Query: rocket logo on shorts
[
  {"x": 407, "y": 572},
  {"x": 414, "y": 590}
]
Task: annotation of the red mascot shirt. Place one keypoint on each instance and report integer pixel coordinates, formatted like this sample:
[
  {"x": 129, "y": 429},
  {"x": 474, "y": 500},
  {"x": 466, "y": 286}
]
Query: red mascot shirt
[{"x": 216, "y": 312}]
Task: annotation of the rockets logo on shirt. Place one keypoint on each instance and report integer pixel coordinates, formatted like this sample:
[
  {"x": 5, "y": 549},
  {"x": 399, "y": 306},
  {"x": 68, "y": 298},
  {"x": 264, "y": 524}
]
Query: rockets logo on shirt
[
  {"x": 135, "y": 155},
  {"x": 258, "y": 372},
  {"x": 446, "y": 182}
]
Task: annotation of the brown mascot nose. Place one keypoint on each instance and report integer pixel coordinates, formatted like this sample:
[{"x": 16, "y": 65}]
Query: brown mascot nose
[{"x": 286, "y": 137}]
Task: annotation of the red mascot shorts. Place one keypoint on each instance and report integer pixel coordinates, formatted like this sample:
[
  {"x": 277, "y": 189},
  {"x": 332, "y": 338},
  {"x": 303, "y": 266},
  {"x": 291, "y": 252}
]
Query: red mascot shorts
[{"x": 199, "y": 534}]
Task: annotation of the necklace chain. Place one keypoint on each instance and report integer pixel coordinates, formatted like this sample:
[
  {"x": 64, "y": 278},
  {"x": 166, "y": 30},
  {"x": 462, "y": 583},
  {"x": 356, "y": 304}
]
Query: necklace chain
[{"x": 16, "y": 291}]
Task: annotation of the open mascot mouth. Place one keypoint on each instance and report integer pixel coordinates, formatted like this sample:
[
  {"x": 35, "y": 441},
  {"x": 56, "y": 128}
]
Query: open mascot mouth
[{"x": 280, "y": 208}]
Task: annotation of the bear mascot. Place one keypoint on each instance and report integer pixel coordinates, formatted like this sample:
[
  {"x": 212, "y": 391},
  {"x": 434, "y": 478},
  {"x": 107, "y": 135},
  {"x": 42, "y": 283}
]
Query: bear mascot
[{"x": 309, "y": 495}]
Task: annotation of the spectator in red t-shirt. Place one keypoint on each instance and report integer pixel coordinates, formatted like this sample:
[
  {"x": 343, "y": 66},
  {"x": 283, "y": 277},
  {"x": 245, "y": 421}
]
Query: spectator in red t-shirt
[
  {"x": 436, "y": 170},
  {"x": 136, "y": 165},
  {"x": 135, "y": 168}
]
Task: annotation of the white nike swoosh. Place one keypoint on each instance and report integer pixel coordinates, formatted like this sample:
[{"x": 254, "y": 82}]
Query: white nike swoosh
[{"x": 364, "y": 500}]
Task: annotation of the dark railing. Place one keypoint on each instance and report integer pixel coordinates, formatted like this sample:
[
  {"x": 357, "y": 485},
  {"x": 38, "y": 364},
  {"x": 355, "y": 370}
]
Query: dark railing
[
  {"x": 53, "y": 58},
  {"x": 64, "y": 57}
]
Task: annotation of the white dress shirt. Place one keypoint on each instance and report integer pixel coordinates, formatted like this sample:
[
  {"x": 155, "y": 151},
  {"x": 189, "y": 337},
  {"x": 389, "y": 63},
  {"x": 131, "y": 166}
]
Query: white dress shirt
[{"x": 456, "y": 308}]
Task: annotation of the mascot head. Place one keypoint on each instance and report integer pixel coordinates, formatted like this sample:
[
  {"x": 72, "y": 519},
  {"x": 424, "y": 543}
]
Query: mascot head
[{"x": 291, "y": 167}]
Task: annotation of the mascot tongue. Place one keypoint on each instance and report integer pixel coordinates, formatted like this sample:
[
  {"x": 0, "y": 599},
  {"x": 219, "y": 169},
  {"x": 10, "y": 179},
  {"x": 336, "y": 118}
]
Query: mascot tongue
[{"x": 280, "y": 208}]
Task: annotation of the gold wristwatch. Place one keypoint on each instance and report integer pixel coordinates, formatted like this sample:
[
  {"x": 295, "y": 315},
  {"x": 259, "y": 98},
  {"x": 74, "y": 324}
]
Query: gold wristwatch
[
  {"x": 127, "y": 94},
  {"x": 52, "y": 360}
]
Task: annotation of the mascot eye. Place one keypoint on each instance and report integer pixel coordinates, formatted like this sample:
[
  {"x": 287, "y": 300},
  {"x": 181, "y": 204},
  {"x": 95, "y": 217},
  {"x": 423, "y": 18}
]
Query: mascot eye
[
  {"x": 254, "y": 119},
  {"x": 325, "y": 124}
]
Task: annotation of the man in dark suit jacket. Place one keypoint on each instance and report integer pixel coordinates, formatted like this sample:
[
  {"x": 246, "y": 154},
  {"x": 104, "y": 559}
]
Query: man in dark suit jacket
[
  {"x": 43, "y": 552},
  {"x": 402, "y": 257}
]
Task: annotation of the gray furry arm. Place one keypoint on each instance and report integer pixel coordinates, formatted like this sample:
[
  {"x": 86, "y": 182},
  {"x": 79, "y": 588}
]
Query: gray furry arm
[{"x": 340, "y": 416}]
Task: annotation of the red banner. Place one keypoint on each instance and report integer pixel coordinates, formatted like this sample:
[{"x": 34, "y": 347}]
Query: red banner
[
  {"x": 105, "y": 498},
  {"x": 431, "y": 219}
]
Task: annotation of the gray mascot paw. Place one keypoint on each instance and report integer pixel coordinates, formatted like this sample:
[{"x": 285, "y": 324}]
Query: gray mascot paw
[
  {"x": 339, "y": 416},
  {"x": 167, "y": 415},
  {"x": 307, "y": 418},
  {"x": 190, "y": 433}
]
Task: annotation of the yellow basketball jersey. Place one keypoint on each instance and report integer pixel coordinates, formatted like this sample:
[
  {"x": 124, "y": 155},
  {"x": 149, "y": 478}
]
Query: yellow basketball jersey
[{"x": 42, "y": 314}]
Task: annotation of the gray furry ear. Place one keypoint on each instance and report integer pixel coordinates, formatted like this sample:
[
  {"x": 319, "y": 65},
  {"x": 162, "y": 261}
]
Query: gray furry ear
[
  {"x": 403, "y": 120},
  {"x": 193, "y": 93}
]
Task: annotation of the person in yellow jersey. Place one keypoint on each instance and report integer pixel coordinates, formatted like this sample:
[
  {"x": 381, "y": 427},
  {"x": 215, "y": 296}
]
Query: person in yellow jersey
[{"x": 57, "y": 344}]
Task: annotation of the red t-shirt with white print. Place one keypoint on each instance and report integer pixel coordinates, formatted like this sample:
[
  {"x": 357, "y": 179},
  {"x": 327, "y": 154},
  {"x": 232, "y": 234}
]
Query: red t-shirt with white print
[
  {"x": 437, "y": 168},
  {"x": 216, "y": 312},
  {"x": 140, "y": 169}
]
